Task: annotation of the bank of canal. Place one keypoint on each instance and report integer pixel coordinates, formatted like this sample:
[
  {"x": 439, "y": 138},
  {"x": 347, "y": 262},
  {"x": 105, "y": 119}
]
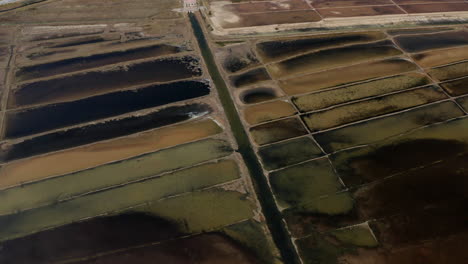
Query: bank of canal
[{"x": 264, "y": 194}]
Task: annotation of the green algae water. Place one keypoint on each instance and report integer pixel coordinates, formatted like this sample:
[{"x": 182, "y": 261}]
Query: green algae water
[{"x": 265, "y": 196}]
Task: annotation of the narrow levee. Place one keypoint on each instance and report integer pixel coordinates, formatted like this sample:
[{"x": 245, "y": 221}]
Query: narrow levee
[{"x": 265, "y": 196}]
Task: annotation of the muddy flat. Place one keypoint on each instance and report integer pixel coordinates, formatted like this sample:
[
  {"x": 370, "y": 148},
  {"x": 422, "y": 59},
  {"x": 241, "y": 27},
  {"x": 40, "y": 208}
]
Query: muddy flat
[
  {"x": 273, "y": 18},
  {"x": 360, "y": 11},
  {"x": 345, "y": 3},
  {"x": 255, "y": 7},
  {"x": 435, "y": 7}
]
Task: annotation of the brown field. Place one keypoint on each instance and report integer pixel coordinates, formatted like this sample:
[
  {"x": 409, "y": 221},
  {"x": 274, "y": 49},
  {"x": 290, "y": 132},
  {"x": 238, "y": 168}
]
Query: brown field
[
  {"x": 427, "y": 42},
  {"x": 268, "y": 111},
  {"x": 4, "y": 55},
  {"x": 343, "y": 3},
  {"x": 273, "y": 18},
  {"x": 348, "y": 74},
  {"x": 204, "y": 249},
  {"x": 411, "y": 31},
  {"x": 425, "y": 1},
  {"x": 378, "y": 106},
  {"x": 449, "y": 72},
  {"x": 125, "y": 233},
  {"x": 255, "y": 7},
  {"x": 277, "y": 130},
  {"x": 443, "y": 250},
  {"x": 463, "y": 102},
  {"x": 457, "y": 87},
  {"x": 324, "y": 99},
  {"x": 79, "y": 11},
  {"x": 243, "y": 14},
  {"x": 447, "y": 219},
  {"x": 378, "y": 199},
  {"x": 435, "y": 8},
  {"x": 441, "y": 57},
  {"x": 360, "y": 11},
  {"x": 80, "y": 158}
]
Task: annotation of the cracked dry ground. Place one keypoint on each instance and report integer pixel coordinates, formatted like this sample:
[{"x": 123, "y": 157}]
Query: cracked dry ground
[{"x": 115, "y": 147}]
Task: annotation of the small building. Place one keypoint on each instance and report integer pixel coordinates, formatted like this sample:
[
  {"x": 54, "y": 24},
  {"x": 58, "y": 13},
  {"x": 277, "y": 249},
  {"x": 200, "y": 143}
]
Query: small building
[{"x": 190, "y": 5}]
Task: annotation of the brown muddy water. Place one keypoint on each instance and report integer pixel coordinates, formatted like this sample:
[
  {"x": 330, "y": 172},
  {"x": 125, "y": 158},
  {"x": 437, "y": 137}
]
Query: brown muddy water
[
  {"x": 277, "y": 130},
  {"x": 98, "y": 60}
]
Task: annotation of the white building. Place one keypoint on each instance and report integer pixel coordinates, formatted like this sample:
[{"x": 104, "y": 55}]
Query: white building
[{"x": 190, "y": 6}]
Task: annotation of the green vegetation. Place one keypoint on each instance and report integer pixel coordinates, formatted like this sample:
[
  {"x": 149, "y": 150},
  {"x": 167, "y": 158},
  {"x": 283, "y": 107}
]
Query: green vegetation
[
  {"x": 333, "y": 204},
  {"x": 317, "y": 249},
  {"x": 358, "y": 235},
  {"x": 373, "y": 107},
  {"x": 64, "y": 187},
  {"x": 268, "y": 111},
  {"x": 290, "y": 152},
  {"x": 322, "y": 248},
  {"x": 252, "y": 235},
  {"x": 203, "y": 211},
  {"x": 277, "y": 130},
  {"x": 118, "y": 199},
  {"x": 329, "y": 210},
  {"x": 463, "y": 102},
  {"x": 386, "y": 127},
  {"x": 449, "y": 72},
  {"x": 302, "y": 183},
  {"x": 457, "y": 87},
  {"x": 325, "y": 99}
]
